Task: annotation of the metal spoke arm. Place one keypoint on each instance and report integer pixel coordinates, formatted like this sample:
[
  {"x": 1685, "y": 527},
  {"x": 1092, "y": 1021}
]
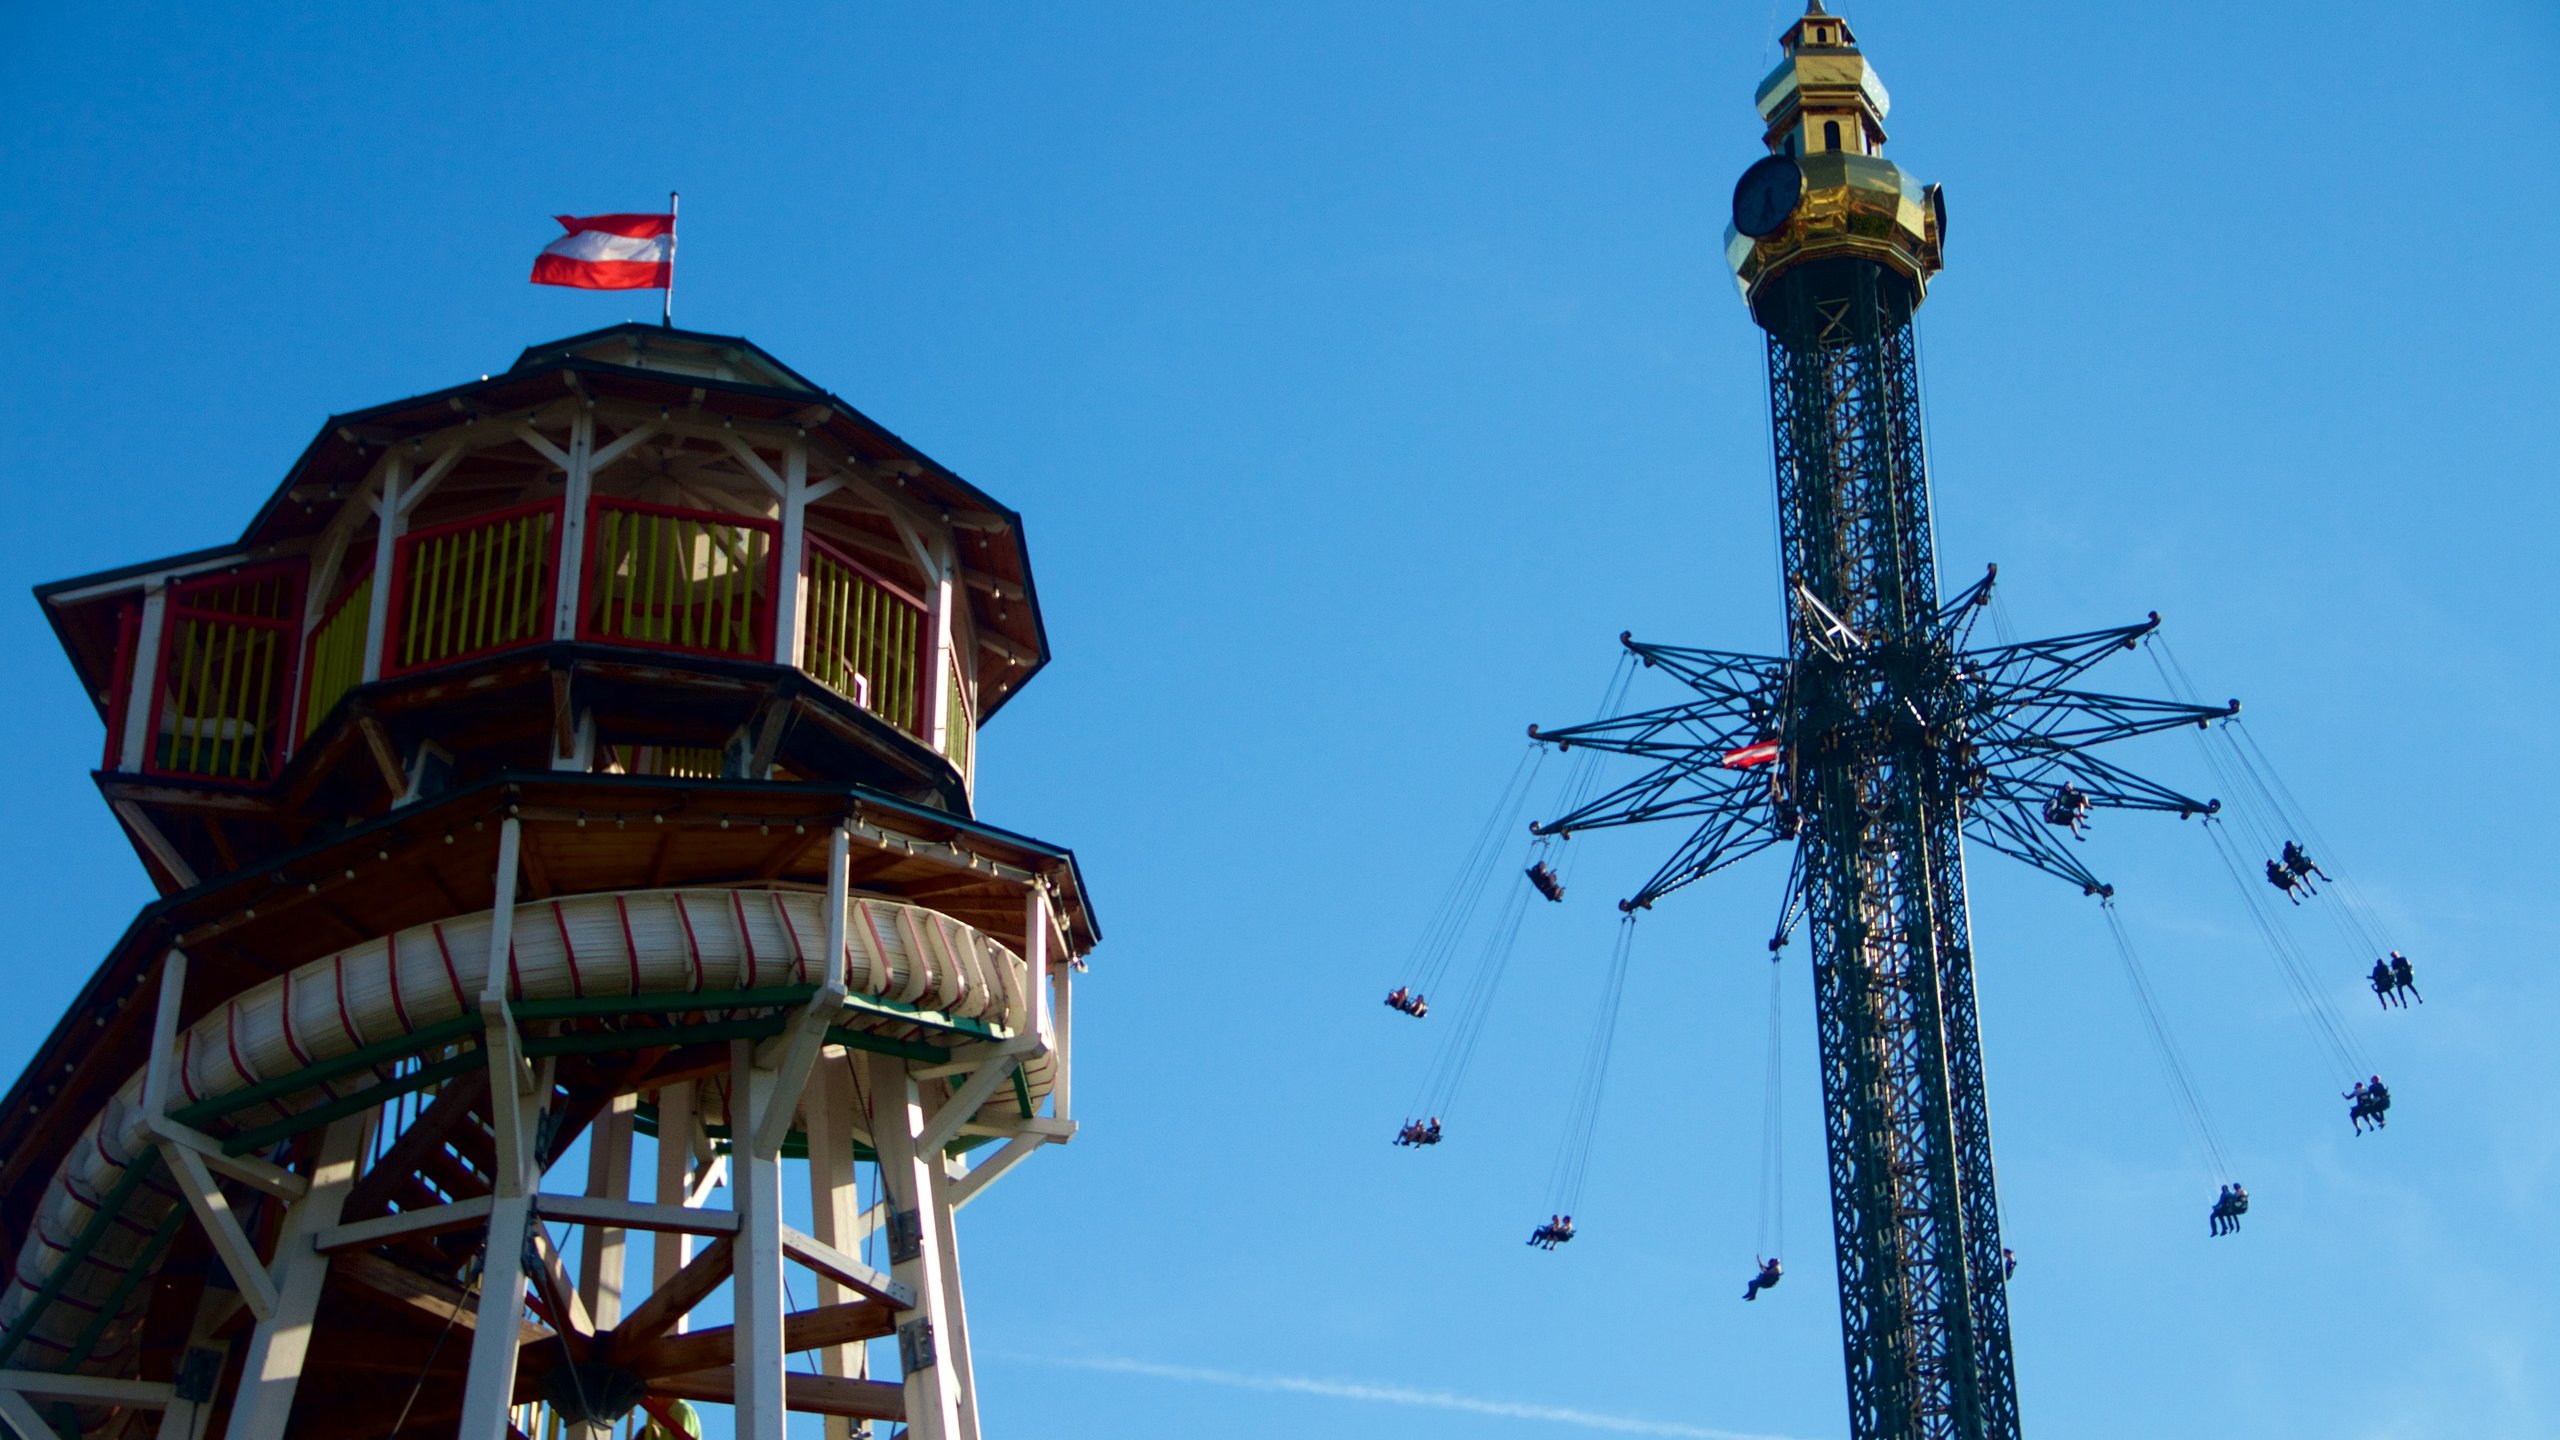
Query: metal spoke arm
[
  {"x": 2034, "y": 777},
  {"x": 1668, "y": 733},
  {"x": 2087, "y": 717},
  {"x": 2023, "y": 835},
  {"x": 1717, "y": 674},
  {"x": 2039, "y": 664},
  {"x": 1660, "y": 795},
  {"x": 1724, "y": 839}
]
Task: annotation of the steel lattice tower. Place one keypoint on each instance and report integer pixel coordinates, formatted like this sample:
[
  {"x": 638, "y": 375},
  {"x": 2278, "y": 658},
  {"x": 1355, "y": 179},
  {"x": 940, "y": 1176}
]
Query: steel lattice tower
[{"x": 1874, "y": 746}]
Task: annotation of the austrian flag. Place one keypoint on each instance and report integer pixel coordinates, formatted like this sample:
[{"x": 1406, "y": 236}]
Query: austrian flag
[
  {"x": 1764, "y": 753},
  {"x": 610, "y": 252}
]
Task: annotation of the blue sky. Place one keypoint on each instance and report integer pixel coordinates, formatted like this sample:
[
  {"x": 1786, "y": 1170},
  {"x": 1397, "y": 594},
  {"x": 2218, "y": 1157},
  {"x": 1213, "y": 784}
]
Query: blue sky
[{"x": 1362, "y": 371}]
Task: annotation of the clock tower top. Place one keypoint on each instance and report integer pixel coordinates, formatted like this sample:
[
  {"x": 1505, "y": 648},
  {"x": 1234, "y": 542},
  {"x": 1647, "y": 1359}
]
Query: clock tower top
[{"x": 1825, "y": 192}]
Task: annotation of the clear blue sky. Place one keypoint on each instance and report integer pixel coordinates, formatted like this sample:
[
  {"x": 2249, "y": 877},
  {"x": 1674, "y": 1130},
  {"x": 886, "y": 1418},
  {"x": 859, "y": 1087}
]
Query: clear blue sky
[{"x": 1362, "y": 370}]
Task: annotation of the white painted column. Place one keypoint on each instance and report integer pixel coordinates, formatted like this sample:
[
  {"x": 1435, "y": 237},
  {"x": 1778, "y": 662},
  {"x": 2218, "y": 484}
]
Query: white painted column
[
  {"x": 955, "y": 1330},
  {"x": 756, "y": 1300},
  {"x": 827, "y": 1117},
  {"x": 515, "y": 1112},
  {"x": 915, "y": 1251},
  {"x": 600, "y": 1253},
  {"x": 1035, "y": 956},
  {"x": 937, "y": 696},
  {"x": 668, "y": 1251},
  {"x": 788, "y": 571},
  {"x": 1062, "y": 978},
  {"x": 282, "y": 1341},
  {"x": 388, "y": 526},
  {"x": 573, "y": 523},
  {"x": 136, "y": 736}
]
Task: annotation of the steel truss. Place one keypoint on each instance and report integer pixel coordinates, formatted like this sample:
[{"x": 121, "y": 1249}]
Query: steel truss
[{"x": 1895, "y": 738}]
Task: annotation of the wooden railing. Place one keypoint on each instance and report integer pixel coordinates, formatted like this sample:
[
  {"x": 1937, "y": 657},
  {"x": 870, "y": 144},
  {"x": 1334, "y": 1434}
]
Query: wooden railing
[
  {"x": 865, "y": 638},
  {"x": 333, "y": 659},
  {"x": 226, "y": 653},
  {"x": 691, "y": 580},
  {"x": 473, "y": 587}
]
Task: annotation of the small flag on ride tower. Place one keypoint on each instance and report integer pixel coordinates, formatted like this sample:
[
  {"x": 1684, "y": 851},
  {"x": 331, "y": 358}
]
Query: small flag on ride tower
[
  {"x": 613, "y": 252},
  {"x": 1750, "y": 755}
]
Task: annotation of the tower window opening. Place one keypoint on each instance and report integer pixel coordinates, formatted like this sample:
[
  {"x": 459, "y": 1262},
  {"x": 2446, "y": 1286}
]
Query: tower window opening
[{"x": 1830, "y": 134}]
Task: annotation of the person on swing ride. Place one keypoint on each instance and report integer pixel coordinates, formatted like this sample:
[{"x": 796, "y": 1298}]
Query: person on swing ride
[
  {"x": 1770, "y": 1272},
  {"x": 2008, "y": 1264},
  {"x": 2299, "y": 861},
  {"x": 2382, "y": 982},
  {"x": 2403, "y": 978},
  {"x": 1542, "y": 878},
  {"x": 2222, "y": 1211},
  {"x": 2068, "y": 807},
  {"x": 2285, "y": 880}
]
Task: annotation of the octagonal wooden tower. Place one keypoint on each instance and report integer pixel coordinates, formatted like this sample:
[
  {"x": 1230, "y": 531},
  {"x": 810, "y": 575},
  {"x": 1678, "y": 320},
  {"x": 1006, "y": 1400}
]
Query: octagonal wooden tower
[{"x": 583, "y": 752}]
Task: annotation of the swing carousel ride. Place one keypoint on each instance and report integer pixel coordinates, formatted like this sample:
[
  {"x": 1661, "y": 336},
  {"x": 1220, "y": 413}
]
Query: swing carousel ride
[{"x": 1885, "y": 736}]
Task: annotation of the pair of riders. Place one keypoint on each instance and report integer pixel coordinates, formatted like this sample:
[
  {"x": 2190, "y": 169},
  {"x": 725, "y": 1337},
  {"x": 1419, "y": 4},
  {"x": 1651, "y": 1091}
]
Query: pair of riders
[
  {"x": 1401, "y": 998},
  {"x": 1557, "y": 1230},
  {"x": 2391, "y": 978},
  {"x": 2228, "y": 1207},
  {"x": 2367, "y": 1102},
  {"x": 2293, "y": 873},
  {"x": 1417, "y": 1133}
]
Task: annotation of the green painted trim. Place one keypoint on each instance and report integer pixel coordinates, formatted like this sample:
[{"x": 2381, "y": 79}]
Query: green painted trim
[
  {"x": 346, "y": 1105},
  {"x": 134, "y": 1275},
  {"x": 596, "y": 1042},
  {"x": 883, "y": 1045},
  {"x": 441, "y": 1033},
  {"x": 898, "y": 1010},
  {"x": 1021, "y": 1092},
  {"x": 78, "y": 1255},
  {"x": 587, "y": 1007}
]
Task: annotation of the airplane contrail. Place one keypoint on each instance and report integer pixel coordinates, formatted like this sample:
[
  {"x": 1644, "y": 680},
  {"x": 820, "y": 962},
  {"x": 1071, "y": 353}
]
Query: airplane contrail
[{"x": 1400, "y": 1395}]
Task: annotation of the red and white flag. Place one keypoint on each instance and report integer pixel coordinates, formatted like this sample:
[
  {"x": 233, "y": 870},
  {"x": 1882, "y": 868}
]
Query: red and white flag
[
  {"x": 610, "y": 252},
  {"x": 1749, "y": 755}
]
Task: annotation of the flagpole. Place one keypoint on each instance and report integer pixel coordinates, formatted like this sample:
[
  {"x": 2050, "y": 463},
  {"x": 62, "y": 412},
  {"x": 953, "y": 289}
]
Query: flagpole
[{"x": 667, "y": 314}]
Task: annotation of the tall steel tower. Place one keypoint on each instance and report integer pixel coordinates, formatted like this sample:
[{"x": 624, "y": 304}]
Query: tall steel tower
[{"x": 1875, "y": 745}]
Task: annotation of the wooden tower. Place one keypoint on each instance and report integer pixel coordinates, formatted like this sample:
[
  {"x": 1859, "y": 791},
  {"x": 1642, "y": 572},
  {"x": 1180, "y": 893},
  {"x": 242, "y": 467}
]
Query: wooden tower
[{"x": 582, "y": 753}]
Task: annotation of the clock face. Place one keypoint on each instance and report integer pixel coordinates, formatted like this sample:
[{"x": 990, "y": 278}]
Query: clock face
[{"x": 1766, "y": 195}]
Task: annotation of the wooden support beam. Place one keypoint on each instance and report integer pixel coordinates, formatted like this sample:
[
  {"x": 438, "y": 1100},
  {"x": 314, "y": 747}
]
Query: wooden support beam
[
  {"x": 280, "y": 1347},
  {"x": 808, "y": 1394},
  {"x": 845, "y": 1270},
  {"x": 408, "y": 1224},
  {"x": 447, "y": 1113},
  {"x": 88, "y": 1389},
  {"x": 847, "y": 1323},
  {"x": 230, "y": 1243},
  {"x": 678, "y": 1294},
  {"x": 439, "y": 1303},
  {"x": 634, "y": 1215}
]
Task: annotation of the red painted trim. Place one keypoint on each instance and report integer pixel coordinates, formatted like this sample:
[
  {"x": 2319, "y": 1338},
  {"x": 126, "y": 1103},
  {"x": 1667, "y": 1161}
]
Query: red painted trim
[
  {"x": 402, "y": 557},
  {"x": 759, "y": 618},
  {"x": 120, "y": 694},
  {"x": 175, "y": 609}
]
